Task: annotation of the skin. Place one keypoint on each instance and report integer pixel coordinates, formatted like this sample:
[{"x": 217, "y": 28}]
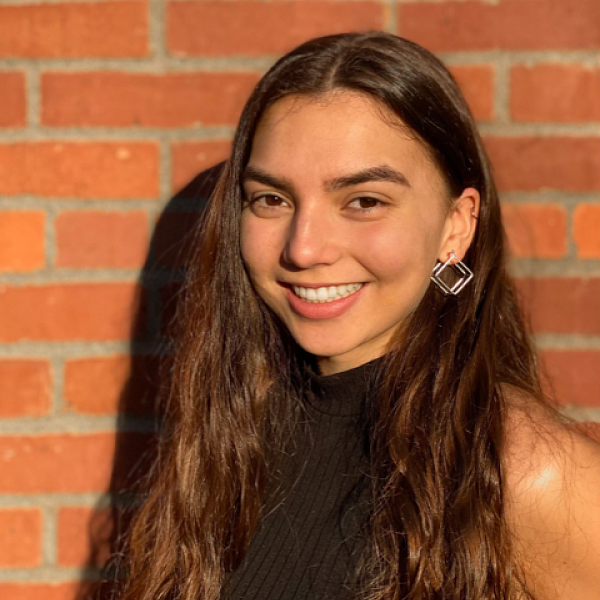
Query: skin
[
  {"x": 553, "y": 503},
  {"x": 309, "y": 221}
]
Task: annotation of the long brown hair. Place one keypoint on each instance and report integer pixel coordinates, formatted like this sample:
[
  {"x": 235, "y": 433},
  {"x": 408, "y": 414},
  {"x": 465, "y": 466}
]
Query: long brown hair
[{"x": 437, "y": 526}]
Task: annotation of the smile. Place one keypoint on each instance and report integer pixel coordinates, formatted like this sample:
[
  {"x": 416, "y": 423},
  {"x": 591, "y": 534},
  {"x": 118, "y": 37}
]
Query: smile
[{"x": 326, "y": 294}]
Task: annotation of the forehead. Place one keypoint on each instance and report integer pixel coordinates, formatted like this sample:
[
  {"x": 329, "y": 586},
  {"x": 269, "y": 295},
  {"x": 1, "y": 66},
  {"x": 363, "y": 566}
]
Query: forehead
[{"x": 328, "y": 135}]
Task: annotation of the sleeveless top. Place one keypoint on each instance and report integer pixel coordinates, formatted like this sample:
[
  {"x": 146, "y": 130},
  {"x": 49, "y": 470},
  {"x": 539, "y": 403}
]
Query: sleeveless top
[{"x": 309, "y": 543}]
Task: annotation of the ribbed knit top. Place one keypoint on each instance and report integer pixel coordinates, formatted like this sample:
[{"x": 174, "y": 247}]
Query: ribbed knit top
[{"x": 308, "y": 546}]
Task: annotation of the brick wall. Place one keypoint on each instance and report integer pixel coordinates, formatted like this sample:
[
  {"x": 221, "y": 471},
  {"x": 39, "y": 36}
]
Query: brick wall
[{"x": 109, "y": 107}]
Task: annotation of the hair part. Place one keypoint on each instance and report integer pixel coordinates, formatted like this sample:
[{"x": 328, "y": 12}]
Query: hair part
[{"x": 437, "y": 526}]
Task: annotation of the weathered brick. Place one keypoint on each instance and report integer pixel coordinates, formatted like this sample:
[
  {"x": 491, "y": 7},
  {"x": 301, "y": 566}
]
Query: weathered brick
[
  {"x": 507, "y": 25},
  {"x": 68, "y": 169},
  {"x": 574, "y": 375},
  {"x": 188, "y": 159},
  {"x": 48, "y": 591},
  {"x": 562, "y": 304},
  {"x": 111, "y": 384},
  {"x": 25, "y": 387},
  {"x": 537, "y": 163},
  {"x": 251, "y": 27},
  {"x": 84, "y": 536},
  {"x": 102, "y": 239},
  {"x": 74, "y": 29},
  {"x": 77, "y": 311},
  {"x": 75, "y": 463},
  {"x": 22, "y": 240},
  {"x": 477, "y": 85},
  {"x": 20, "y": 537},
  {"x": 555, "y": 92},
  {"x": 586, "y": 230},
  {"x": 12, "y": 92},
  {"x": 146, "y": 100},
  {"x": 536, "y": 230}
]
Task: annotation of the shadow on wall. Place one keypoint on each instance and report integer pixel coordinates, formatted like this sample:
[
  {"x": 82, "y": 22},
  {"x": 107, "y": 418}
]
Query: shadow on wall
[{"x": 140, "y": 409}]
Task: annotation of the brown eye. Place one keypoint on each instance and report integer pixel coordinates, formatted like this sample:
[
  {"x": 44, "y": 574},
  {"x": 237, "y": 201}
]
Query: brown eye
[
  {"x": 365, "y": 203},
  {"x": 271, "y": 200},
  {"x": 268, "y": 204}
]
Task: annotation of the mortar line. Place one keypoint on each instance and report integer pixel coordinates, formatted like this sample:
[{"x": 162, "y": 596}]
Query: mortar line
[
  {"x": 153, "y": 65},
  {"x": 50, "y": 535},
  {"x": 392, "y": 16},
  {"x": 502, "y": 92},
  {"x": 56, "y": 499},
  {"x": 118, "y": 134}
]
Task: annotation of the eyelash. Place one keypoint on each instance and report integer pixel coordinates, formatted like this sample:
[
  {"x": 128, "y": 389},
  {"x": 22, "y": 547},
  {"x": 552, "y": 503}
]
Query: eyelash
[
  {"x": 378, "y": 203},
  {"x": 256, "y": 200}
]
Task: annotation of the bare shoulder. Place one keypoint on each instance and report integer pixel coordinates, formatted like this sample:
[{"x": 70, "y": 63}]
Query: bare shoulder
[{"x": 552, "y": 486}]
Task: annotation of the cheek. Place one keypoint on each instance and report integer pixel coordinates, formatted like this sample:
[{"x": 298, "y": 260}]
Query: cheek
[
  {"x": 259, "y": 248},
  {"x": 404, "y": 255}
]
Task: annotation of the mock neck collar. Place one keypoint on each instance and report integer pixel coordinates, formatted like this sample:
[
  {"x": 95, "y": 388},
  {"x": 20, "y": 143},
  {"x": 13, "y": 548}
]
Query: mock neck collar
[{"x": 343, "y": 394}]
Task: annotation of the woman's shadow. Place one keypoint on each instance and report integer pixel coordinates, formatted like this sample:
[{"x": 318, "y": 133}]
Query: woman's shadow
[{"x": 140, "y": 410}]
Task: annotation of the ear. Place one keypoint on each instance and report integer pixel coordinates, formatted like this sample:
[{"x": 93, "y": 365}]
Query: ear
[{"x": 460, "y": 225}]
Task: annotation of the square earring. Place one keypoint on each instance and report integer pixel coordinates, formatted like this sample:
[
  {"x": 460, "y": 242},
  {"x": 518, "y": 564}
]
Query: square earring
[{"x": 460, "y": 269}]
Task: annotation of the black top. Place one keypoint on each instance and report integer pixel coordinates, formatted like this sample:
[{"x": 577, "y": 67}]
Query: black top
[{"x": 308, "y": 546}]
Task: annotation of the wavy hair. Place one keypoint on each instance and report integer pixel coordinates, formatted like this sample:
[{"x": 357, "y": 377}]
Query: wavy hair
[{"x": 437, "y": 528}]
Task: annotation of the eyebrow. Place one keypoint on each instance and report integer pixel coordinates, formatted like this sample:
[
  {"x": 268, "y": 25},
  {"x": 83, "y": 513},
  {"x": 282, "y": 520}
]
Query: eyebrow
[{"x": 379, "y": 173}]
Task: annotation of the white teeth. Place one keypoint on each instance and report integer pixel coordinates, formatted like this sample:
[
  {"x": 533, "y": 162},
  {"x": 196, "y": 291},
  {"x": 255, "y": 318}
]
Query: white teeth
[{"x": 326, "y": 294}]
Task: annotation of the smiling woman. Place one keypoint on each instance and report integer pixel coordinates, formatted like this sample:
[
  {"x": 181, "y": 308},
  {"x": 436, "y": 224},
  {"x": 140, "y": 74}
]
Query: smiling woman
[
  {"x": 357, "y": 204},
  {"x": 340, "y": 426}
]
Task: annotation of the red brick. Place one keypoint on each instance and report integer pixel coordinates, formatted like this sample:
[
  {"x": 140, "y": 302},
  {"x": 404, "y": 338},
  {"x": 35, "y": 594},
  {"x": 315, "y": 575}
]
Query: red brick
[
  {"x": 74, "y": 463},
  {"x": 38, "y": 591},
  {"x": 586, "y": 230},
  {"x": 146, "y": 100},
  {"x": 477, "y": 85},
  {"x": 536, "y": 230},
  {"x": 80, "y": 169},
  {"x": 74, "y": 30},
  {"x": 111, "y": 384},
  {"x": 14, "y": 103},
  {"x": 574, "y": 375},
  {"x": 84, "y": 536},
  {"x": 562, "y": 305},
  {"x": 508, "y": 25},
  {"x": 188, "y": 159},
  {"x": 537, "y": 163},
  {"x": 25, "y": 387},
  {"x": 20, "y": 537},
  {"x": 78, "y": 311},
  {"x": 22, "y": 240},
  {"x": 101, "y": 239},
  {"x": 251, "y": 28},
  {"x": 555, "y": 92}
]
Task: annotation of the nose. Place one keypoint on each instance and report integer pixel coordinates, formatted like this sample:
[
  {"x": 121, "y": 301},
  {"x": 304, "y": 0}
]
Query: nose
[{"x": 312, "y": 239}]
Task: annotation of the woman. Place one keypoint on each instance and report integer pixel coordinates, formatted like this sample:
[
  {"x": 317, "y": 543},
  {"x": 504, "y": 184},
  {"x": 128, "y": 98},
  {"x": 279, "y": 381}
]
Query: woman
[{"x": 339, "y": 425}]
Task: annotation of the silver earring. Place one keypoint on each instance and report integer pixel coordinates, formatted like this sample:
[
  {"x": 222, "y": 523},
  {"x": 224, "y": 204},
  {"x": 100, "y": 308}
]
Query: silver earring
[{"x": 462, "y": 271}]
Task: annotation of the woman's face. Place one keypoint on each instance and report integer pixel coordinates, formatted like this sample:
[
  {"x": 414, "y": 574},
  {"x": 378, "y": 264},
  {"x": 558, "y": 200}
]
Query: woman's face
[{"x": 344, "y": 218}]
